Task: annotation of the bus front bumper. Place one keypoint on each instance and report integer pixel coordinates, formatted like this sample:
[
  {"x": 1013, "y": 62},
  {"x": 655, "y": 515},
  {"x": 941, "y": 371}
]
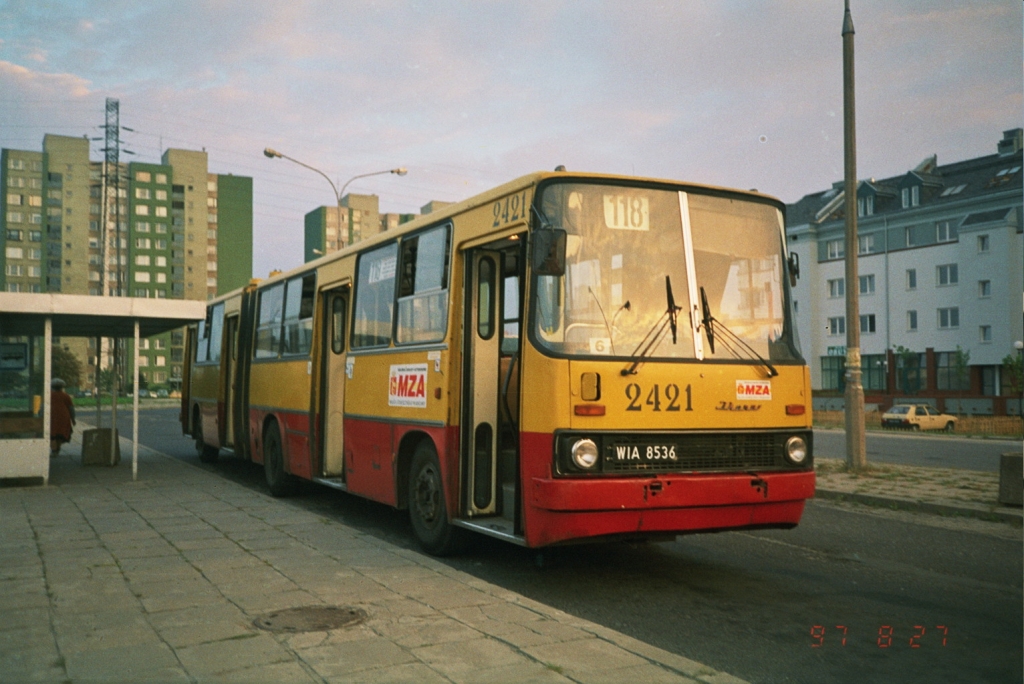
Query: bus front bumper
[{"x": 579, "y": 508}]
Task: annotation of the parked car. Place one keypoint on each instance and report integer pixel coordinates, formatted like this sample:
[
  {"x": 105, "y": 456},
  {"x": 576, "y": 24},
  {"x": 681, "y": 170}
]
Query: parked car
[
  {"x": 918, "y": 417},
  {"x": 161, "y": 394}
]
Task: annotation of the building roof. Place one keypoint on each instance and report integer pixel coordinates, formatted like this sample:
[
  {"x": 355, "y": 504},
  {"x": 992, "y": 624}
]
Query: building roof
[{"x": 941, "y": 184}]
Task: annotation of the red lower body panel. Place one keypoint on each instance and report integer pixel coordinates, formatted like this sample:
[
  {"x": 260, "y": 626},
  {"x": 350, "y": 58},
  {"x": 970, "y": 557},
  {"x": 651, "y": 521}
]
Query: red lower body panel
[{"x": 563, "y": 509}]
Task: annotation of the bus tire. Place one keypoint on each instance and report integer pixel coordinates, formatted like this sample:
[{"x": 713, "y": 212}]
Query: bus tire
[
  {"x": 207, "y": 453},
  {"x": 279, "y": 482},
  {"x": 427, "y": 510}
]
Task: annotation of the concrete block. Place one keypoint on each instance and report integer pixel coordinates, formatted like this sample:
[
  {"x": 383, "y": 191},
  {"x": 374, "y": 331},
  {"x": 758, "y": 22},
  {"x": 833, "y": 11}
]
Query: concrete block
[
  {"x": 1011, "y": 479},
  {"x": 96, "y": 447}
]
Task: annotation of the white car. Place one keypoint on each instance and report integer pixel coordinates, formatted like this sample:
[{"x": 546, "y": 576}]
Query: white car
[{"x": 918, "y": 417}]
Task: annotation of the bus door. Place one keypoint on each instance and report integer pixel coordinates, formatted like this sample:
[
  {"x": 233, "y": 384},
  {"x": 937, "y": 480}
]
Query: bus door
[
  {"x": 230, "y": 363},
  {"x": 332, "y": 386},
  {"x": 490, "y": 373}
]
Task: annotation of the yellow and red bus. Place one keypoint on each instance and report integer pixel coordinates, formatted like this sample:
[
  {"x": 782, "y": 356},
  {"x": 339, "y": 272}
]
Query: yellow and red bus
[{"x": 566, "y": 357}]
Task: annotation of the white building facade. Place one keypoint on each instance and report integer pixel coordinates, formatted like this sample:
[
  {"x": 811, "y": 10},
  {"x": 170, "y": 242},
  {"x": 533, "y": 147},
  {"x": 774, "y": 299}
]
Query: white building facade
[{"x": 941, "y": 283}]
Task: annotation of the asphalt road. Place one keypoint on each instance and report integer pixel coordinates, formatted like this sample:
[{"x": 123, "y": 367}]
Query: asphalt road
[
  {"x": 908, "y": 448},
  {"x": 765, "y": 606}
]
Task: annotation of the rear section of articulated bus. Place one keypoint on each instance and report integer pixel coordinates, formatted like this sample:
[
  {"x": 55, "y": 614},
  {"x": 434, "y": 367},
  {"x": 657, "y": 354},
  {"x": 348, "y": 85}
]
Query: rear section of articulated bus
[{"x": 663, "y": 391}]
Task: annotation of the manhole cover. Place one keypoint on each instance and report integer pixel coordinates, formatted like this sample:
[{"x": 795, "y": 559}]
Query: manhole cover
[{"x": 310, "y": 619}]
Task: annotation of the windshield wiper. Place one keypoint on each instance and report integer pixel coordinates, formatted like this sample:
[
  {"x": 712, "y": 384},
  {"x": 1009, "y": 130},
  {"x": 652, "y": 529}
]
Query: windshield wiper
[
  {"x": 727, "y": 338},
  {"x": 654, "y": 336}
]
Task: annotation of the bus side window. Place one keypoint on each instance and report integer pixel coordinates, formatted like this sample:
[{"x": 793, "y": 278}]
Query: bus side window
[
  {"x": 375, "y": 297},
  {"x": 216, "y": 329},
  {"x": 423, "y": 288},
  {"x": 202, "y": 342},
  {"x": 338, "y": 324},
  {"x": 268, "y": 329},
  {"x": 298, "y": 315}
]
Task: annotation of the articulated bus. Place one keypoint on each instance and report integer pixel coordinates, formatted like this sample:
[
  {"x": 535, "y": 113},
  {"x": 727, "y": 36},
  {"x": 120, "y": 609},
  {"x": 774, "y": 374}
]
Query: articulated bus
[{"x": 568, "y": 357}]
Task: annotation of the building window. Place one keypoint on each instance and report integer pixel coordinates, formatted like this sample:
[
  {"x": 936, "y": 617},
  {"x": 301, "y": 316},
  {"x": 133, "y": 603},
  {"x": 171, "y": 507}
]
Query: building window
[
  {"x": 142, "y": 193},
  {"x": 911, "y": 278},
  {"x": 142, "y": 243},
  {"x": 142, "y": 260},
  {"x": 912, "y": 320},
  {"x": 984, "y": 288},
  {"x": 15, "y": 217},
  {"x": 833, "y": 372},
  {"x": 949, "y": 318},
  {"x": 873, "y": 375},
  {"x": 14, "y": 235},
  {"x": 143, "y": 176},
  {"x": 866, "y": 206},
  {"x": 948, "y": 376},
  {"x": 911, "y": 196},
  {"x": 865, "y": 244},
  {"x": 867, "y": 284},
  {"x": 867, "y": 323},
  {"x": 142, "y": 226},
  {"x": 985, "y": 333},
  {"x": 908, "y": 234},
  {"x": 946, "y": 274},
  {"x": 161, "y": 178},
  {"x": 142, "y": 276},
  {"x": 837, "y": 288},
  {"x": 911, "y": 373},
  {"x": 834, "y": 249},
  {"x": 15, "y": 253},
  {"x": 837, "y": 326},
  {"x": 160, "y": 211},
  {"x": 982, "y": 244},
  {"x": 944, "y": 232},
  {"x": 142, "y": 210}
]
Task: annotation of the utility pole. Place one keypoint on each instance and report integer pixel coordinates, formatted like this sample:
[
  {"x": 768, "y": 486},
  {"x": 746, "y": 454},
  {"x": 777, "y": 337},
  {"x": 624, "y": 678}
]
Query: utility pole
[{"x": 856, "y": 456}]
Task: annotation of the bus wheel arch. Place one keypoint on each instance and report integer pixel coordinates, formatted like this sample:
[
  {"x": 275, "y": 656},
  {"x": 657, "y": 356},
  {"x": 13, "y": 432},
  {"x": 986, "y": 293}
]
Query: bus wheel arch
[
  {"x": 207, "y": 453},
  {"x": 279, "y": 482},
  {"x": 428, "y": 510}
]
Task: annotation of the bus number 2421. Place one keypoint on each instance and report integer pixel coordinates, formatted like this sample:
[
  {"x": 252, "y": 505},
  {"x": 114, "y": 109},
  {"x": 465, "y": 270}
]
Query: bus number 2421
[{"x": 658, "y": 398}]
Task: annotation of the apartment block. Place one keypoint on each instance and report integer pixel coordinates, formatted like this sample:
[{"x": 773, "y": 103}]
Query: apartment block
[
  {"x": 77, "y": 226},
  {"x": 328, "y": 229},
  {"x": 940, "y": 261}
]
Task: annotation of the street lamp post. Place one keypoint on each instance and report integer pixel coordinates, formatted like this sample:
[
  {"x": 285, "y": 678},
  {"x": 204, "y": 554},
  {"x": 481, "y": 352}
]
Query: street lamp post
[{"x": 400, "y": 171}]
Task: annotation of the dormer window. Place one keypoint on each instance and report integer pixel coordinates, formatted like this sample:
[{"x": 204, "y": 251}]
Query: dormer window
[
  {"x": 911, "y": 196},
  {"x": 866, "y": 206}
]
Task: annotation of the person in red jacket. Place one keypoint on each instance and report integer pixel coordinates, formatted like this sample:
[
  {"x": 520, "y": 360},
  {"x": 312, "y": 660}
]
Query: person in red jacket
[{"x": 62, "y": 416}]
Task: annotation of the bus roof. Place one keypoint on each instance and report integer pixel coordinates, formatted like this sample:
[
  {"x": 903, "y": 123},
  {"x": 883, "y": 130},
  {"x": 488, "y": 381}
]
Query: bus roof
[{"x": 481, "y": 199}]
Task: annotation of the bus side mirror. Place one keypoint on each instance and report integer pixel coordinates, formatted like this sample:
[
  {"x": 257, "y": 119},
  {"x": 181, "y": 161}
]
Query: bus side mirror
[
  {"x": 547, "y": 251},
  {"x": 794, "y": 268}
]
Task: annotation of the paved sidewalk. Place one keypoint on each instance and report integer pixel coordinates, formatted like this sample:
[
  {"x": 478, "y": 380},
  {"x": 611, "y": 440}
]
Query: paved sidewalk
[
  {"x": 941, "y": 491},
  {"x": 108, "y": 580}
]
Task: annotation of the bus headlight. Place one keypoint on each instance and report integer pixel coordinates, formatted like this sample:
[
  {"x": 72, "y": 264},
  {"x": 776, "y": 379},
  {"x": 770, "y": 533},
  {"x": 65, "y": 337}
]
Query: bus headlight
[
  {"x": 584, "y": 454},
  {"x": 796, "y": 450}
]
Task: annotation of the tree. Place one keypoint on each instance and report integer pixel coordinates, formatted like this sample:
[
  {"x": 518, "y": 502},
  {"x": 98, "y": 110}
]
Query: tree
[
  {"x": 66, "y": 366},
  {"x": 1013, "y": 373}
]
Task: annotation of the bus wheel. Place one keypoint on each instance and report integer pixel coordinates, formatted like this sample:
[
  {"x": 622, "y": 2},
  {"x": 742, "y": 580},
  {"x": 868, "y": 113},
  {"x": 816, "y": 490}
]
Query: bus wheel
[
  {"x": 427, "y": 505},
  {"x": 207, "y": 453},
  {"x": 279, "y": 482}
]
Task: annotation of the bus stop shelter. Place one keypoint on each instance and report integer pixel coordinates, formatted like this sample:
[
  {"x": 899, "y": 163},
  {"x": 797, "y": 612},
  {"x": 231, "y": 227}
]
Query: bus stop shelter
[{"x": 28, "y": 324}]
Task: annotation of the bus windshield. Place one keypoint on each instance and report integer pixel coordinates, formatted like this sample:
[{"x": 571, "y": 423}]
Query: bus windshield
[{"x": 627, "y": 249}]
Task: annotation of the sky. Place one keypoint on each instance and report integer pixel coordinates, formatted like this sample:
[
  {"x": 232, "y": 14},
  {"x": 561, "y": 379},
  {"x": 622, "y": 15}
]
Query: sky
[{"x": 470, "y": 94}]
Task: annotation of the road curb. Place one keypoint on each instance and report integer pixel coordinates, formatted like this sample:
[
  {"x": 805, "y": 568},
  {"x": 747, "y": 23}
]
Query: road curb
[{"x": 1012, "y": 516}]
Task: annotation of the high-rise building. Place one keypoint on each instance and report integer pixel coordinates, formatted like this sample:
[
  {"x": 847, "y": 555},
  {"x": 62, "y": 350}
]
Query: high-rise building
[
  {"x": 328, "y": 229},
  {"x": 941, "y": 273},
  {"x": 72, "y": 225}
]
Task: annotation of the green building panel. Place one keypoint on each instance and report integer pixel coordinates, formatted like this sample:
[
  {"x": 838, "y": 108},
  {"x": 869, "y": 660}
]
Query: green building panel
[{"x": 234, "y": 232}]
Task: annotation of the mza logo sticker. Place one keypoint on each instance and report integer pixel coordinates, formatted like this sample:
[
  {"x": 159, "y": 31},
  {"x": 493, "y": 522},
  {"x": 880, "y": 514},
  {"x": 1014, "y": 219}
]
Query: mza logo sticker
[
  {"x": 407, "y": 386},
  {"x": 754, "y": 389}
]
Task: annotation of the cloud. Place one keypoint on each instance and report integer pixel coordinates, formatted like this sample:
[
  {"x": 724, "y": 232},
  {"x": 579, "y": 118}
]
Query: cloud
[{"x": 470, "y": 94}]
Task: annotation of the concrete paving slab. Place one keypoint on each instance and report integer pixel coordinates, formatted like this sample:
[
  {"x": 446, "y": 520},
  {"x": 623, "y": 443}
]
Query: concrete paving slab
[{"x": 165, "y": 576}]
